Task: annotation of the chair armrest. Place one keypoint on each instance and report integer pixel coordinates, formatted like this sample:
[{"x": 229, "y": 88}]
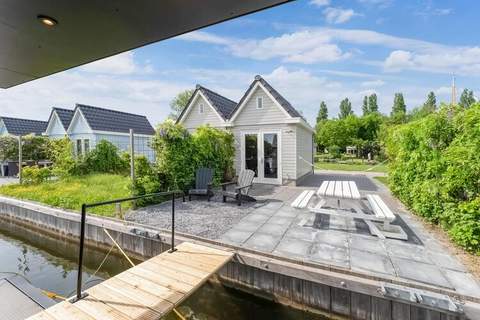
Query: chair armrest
[
  {"x": 225, "y": 184},
  {"x": 240, "y": 188}
]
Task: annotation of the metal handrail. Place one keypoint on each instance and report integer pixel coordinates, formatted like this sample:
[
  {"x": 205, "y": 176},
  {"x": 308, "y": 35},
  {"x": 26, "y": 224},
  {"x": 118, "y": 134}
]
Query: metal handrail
[{"x": 85, "y": 206}]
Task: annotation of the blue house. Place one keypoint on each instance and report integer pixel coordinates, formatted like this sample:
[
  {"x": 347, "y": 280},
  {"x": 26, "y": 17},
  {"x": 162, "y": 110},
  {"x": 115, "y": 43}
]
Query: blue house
[{"x": 88, "y": 125}]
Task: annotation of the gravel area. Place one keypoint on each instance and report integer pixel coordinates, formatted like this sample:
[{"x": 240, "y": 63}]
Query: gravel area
[{"x": 197, "y": 217}]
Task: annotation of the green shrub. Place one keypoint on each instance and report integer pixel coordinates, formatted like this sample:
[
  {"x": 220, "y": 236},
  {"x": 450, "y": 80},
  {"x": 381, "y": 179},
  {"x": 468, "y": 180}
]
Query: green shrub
[
  {"x": 36, "y": 175},
  {"x": 104, "y": 158},
  {"x": 435, "y": 170},
  {"x": 60, "y": 152}
]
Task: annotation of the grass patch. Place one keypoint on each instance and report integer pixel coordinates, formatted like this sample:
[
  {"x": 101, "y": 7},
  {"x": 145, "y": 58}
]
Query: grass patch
[
  {"x": 383, "y": 180},
  {"x": 72, "y": 192},
  {"x": 350, "y": 167}
]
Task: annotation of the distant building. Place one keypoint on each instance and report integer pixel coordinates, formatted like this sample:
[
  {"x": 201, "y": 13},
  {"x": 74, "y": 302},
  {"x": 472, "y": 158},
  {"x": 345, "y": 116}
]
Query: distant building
[
  {"x": 21, "y": 127},
  {"x": 88, "y": 125}
]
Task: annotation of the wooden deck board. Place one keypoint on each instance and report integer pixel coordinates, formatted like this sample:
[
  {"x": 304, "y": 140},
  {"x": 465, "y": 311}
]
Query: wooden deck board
[{"x": 146, "y": 291}]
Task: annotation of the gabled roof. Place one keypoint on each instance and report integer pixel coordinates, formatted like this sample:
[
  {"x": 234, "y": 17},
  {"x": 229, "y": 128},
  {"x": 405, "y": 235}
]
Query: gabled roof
[
  {"x": 17, "y": 127},
  {"x": 100, "y": 119},
  {"x": 277, "y": 96},
  {"x": 65, "y": 116},
  {"x": 221, "y": 104}
]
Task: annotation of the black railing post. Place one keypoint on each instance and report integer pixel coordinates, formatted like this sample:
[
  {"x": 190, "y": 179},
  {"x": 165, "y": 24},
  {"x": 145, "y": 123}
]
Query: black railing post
[
  {"x": 172, "y": 249},
  {"x": 80, "y": 253}
]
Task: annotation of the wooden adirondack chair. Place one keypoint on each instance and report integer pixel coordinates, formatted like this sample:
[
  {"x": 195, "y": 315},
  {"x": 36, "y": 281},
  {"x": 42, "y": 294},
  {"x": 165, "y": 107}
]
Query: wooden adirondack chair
[
  {"x": 203, "y": 184},
  {"x": 242, "y": 187}
]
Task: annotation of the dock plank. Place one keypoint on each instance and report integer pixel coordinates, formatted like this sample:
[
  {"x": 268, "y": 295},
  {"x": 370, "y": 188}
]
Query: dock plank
[{"x": 147, "y": 291}]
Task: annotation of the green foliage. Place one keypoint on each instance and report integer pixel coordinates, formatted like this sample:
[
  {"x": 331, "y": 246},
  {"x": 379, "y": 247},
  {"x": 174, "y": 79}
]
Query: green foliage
[
  {"x": 8, "y": 148},
  {"x": 466, "y": 98},
  {"x": 372, "y": 103},
  {"x": 365, "y": 109},
  {"x": 60, "y": 152},
  {"x": 435, "y": 170},
  {"x": 431, "y": 104},
  {"x": 105, "y": 158},
  {"x": 180, "y": 154},
  {"x": 345, "y": 109},
  {"x": 36, "y": 175},
  {"x": 322, "y": 112},
  {"x": 179, "y": 103},
  {"x": 34, "y": 148},
  {"x": 399, "y": 109}
]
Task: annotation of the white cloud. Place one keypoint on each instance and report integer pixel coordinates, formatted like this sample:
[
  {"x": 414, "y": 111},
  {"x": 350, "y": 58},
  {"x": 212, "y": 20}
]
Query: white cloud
[
  {"x": 320, "y": 3},
  {"x": 202, "y": 36},
  {"x": 373, "y": 83},
  {"x": 338, "y": 15},
  {"x": 120, "y": 64}
]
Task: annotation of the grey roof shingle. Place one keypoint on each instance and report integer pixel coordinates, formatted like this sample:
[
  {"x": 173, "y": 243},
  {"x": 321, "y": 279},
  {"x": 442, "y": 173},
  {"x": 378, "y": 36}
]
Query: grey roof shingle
[
  {"x": 65, "y": 116},
  {"x": 17, "y": 127},
  {"x": 280, "y": 99},
  {"x": 101, "y": 119},
  {"x": 223, "y": 105}
]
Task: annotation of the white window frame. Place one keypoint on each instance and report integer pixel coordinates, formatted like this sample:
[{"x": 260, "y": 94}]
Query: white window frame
[
  {"x": 201, "y": 108},
  {"x": 259, "y": 103}
]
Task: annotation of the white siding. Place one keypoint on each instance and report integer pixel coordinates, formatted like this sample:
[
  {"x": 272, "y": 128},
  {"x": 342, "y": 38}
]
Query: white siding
[
  {"x": 195, "y": 119},
  {"x": 288, "y": 147},
  {"x": 304, "y": 150},
  {"x": 270, "y": 113},
  {"x": 56, "y": 129}
]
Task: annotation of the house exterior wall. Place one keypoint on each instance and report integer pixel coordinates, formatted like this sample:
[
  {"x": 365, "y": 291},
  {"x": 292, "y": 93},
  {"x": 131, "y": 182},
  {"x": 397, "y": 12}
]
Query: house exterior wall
[
  {"x": 304, "y": 150},
  {"x": 195, "y": 119},
  {"x": 270, "y": 113},
  {"x": 57, "y": 131},
  {"x": 288, "y": 147},
  {"x": 3, "y": 129}
]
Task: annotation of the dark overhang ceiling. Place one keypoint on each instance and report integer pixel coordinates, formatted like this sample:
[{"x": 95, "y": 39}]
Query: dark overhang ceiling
[{"x": 89, "y": 30}]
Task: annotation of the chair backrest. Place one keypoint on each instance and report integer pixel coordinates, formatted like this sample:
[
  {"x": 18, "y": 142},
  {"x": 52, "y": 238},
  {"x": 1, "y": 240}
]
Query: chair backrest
[
  {"x": 245, "y": 179},
  {"x": 203, "y": 178}
]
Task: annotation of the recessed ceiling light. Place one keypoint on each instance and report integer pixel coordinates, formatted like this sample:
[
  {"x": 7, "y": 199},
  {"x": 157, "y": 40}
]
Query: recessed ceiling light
[{"x": 48, "y": 21}]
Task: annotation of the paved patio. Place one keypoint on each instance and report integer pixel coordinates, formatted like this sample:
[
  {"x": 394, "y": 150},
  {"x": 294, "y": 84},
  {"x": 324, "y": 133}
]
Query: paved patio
[{"x": 271, "y": 225}]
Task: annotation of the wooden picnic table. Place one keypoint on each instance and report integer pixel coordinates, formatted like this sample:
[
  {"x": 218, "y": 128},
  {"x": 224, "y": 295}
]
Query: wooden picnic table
[{"x": 339, "y": 189}]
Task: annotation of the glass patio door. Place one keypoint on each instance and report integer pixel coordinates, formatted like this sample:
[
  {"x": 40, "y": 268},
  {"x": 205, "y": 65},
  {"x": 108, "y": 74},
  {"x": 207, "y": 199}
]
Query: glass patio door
[{"x": 261, "y": 153}]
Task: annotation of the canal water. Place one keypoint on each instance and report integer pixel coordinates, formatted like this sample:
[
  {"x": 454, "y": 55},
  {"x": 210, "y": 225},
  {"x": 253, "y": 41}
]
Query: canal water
[{"x": 50, "y": 264}]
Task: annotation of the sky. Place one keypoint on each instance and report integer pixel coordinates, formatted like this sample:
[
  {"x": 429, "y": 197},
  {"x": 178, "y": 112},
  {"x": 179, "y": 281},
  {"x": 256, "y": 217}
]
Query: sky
[{"x": 309, "y": 50}]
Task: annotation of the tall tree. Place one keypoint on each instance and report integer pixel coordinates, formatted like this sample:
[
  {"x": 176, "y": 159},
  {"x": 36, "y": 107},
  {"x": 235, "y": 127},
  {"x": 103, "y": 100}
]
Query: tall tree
[
  {"x": 179, "y": 103},
  {"x": 365, "y": 108},
  {"x": 322, "y": 112},
  {"x": 466, "y": 99},
  {"x": 345, "y": 109},
  {"x": 372, "y": 103},
  {"x": 399, "y": 109},
  {"x": 431, "y": 104}
]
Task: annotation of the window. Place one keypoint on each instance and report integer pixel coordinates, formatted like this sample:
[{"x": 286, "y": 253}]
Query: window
[
  {"x": 201, "y": 108},
  {"x": 86, "y": 146},
  {"x": 79, "y": 147},
  {"x": 259, "y": 103}
]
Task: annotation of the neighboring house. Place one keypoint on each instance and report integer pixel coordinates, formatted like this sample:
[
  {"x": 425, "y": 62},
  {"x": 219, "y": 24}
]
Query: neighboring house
[
  {"x": 58, "y": 123},
  {"x": 21, "y": 127},
  {"x": 18, "y": 127},
  {"x": 272, "y": 138},
  {"x": 89, "y": 125}
]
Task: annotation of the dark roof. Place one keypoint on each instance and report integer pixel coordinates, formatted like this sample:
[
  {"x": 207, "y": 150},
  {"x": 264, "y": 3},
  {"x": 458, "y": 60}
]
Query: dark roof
[
  {"x": 115, "y": 121},
  {"x": 280, "y": 99},
  {"x": 65, "y": 116},
  {"x": 19, "y": 127},
  {"x": 222, "y": 105}
]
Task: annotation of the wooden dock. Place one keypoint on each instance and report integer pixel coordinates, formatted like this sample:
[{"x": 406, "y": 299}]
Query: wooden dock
[{"x": 147, "y": 291}]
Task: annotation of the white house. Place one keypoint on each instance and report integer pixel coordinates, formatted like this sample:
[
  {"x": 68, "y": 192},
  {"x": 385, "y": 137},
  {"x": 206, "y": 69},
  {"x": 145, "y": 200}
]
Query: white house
[
  {"x": 272, "y": 138},
  {"x": 87, "y": 125}
]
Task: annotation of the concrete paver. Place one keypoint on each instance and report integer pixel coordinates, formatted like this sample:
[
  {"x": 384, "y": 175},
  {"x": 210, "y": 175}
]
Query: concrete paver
[
  {"x": 366, "y": 243},
  {"x": 293, "y": 247},
  {"x": 463, "y": 282},
  {"x": 328, "y": 254},
  {"x": 334, "y": 238},
  {"x": 301, "y": 233},
  {"x": 371, "y": 262},
  {"x": 236, "y": 237},
  {"x": 419, "y": 271},
  {"x": 262, "y": 242}
]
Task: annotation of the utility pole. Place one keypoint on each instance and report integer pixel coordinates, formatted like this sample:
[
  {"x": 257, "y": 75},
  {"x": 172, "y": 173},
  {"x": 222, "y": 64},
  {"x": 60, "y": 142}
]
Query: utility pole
[{"x": 20, "y": 159}]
